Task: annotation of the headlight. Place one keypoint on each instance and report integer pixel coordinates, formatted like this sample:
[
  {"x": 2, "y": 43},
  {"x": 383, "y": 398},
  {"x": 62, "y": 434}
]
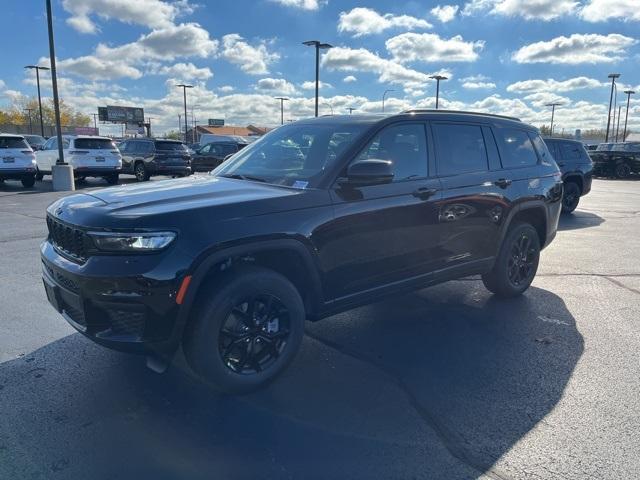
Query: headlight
[{"x": 132, "y": 242}]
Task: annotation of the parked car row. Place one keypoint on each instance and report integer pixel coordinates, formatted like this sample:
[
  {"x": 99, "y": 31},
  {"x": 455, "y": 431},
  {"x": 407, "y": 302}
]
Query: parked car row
[
  {"x": 30, "y": 157},
  {"x": 619, "y": 160}
]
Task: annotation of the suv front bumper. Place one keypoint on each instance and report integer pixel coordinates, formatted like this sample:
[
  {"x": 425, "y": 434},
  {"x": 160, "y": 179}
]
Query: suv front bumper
[{"x": 134, "y": 311}]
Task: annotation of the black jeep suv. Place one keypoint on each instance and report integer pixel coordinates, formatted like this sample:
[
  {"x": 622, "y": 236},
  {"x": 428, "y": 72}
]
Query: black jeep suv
[
  {"x": 317, "y": 217},
  {"x": 576, "y": 167},
  {"x": 145, "y": 157}
]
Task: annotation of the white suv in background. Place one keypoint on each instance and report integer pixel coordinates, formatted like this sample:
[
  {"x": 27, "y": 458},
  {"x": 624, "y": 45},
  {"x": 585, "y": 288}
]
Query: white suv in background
[
  {"x": 17, "y": 161},
  {"x": 88, "y": 155}
]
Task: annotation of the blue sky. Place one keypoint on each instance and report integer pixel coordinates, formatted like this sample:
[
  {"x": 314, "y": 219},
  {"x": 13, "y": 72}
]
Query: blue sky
[{"x": 503, "y": 56}]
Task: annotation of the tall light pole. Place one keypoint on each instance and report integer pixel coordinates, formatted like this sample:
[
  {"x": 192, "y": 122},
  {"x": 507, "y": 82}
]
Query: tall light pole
[
  {"x": 437, "y": 78},
  {"x": 37, "y": 68},
  {"x": 384, "y": 96},
  {"x": 95, "y": 122},
  {"x": 282, "y": 100},
  {"x": 613, "y": 77},
  {"x": 319, "y": 46},
  {"x": 330, "y": 106},
  {"x": 618, "y": 126},
  {"x": 553, "y": 111},
  {"x": 54, "y": 84},
  {"x": 29, "y": 110},
  {"x": 351, "y": 109},
  {"x": 186, "y": 119},
  {"x": 626, "y": 117}
]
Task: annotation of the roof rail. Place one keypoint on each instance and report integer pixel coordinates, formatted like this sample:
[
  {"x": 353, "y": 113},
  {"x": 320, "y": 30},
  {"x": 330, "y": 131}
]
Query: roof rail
[{"x": 427, "y": 110}]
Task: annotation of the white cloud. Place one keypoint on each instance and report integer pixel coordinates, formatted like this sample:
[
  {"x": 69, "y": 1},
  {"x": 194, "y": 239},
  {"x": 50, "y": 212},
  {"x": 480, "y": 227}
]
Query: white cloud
[
  {"x": 366, "y": 21},
  {"x": 184, "y": 71},
  {"x": 349, "y": 79},
  {"x": 184, "y": 40},
  {"x": 226, "y": 89},
  {"x": 362, "y": 60},
  {"x": 276, "y": 86},
  {"x": 542, "y": 99},
  {"x": 96, "y": 68},
  {"x": 551, "y": 85},
  {"x": 150, "y": 13},
  {"x": 445, "y": 13},
  {"x": 603, "y": 10},
  {"x": 2, "y": 85},
  {"x": 478, "y": 85},
  {"x": 301, "y": 4},
  {"x": 311, "y": 85},
  {"x": 250, "y": 59},
  {"x": 528, "y": 9},
  {"x": 429, "y": 47},
  {"x": 578, "y": 48}
]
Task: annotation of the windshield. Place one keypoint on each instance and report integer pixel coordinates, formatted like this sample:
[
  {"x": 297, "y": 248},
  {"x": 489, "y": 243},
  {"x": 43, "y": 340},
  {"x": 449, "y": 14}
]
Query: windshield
[
  {"x": 13, "y": 142},
  {"x": 94, "y": 143},
  {"x": 292, "y": 155},
  {"x": 626, "y": 147},
  {"x": 173, "y": 146},
  {"x": 34, "y": 139}
]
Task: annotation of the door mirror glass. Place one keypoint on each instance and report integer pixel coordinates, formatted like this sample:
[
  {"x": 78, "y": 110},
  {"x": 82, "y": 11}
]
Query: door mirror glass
[{"x": 370, "y": 172}]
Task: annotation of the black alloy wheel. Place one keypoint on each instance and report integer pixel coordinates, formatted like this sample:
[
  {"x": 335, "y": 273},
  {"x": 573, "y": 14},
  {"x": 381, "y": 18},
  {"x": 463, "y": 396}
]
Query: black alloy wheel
[
  {"x": 254, "y": 334},
  {"x": 623, "y": 170},
  {"x": 140, "y": 172},
  {"x": 521, "y": 265},
  {"x": 570, "y": 197}
]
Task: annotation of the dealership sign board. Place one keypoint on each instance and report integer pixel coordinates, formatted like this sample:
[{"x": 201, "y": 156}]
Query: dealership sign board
[{"x": 216, "y": 122}]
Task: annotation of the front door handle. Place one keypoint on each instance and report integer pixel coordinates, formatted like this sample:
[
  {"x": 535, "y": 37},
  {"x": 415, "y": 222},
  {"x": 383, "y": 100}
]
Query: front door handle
[
  {"x": 503, "y": 182},
  {"x": 424, "y": 193}
]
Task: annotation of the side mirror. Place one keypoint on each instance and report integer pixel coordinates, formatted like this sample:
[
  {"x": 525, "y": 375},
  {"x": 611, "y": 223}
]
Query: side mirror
[{"x": 369, "y": 172}]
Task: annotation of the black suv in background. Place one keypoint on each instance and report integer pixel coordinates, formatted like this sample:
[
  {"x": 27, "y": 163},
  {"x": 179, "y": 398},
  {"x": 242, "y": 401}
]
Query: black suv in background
[
  {"x": 211, "y": 155},
  {"x": 576, "y": 167},
  {"x": 146, "y": 157},
  {"x": 618, "y": 160},
  {"x": 316, "y": 217}
]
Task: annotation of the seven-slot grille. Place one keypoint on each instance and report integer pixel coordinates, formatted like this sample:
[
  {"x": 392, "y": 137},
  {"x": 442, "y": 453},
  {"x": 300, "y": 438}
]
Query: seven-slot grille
[{"x": 71, "y": 241}]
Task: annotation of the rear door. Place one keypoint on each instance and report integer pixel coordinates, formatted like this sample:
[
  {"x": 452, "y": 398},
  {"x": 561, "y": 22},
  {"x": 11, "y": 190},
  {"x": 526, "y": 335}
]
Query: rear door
[
  {"x": 477, "y": 194},
  {"x": 383, "y": 235},
  {"x": 48, "y": 155}
]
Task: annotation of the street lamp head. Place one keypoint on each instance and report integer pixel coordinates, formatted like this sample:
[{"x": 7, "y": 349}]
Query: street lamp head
[
  {"x": 613, "y": 75},
  {"x": 38, "y": 67},
  {"x": 438, "y": 77},
  {"x": 629, "y": 92},
  {"x": 310, "y": 43},
  {"x": 283, "y": 99},
  {"x": 325, "y": 46},
  {"x": 317, "y": 44},
  {"x": 184, "y": 86},
  {"x": 553, "y": 104}
]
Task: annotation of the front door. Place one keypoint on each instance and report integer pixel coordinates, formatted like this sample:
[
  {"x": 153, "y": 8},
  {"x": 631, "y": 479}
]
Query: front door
[{"x": 384, "y": 234}]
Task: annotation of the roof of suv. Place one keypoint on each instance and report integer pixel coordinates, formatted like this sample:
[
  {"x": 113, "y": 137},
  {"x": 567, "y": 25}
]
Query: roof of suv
[
  {"x": 445, "y": 115},
  {"x": 147, "y": 139},
  {"x": 566, "y": 140},
  {"x": 11, "y": 135}
]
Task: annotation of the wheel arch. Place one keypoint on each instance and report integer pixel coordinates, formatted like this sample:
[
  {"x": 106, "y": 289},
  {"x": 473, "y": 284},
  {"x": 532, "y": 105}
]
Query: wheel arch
[
  {"x": 532, "y": 212},
  {"x": 575, "y": 178}
]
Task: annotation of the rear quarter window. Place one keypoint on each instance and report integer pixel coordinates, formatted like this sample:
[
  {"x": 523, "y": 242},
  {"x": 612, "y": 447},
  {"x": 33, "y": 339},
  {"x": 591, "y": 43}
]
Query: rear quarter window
[
  {"x": 13, "y": 142},
  {"x": 516, "y": 148}
]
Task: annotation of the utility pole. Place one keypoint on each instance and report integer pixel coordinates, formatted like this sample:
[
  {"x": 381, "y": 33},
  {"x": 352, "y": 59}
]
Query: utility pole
[
  {"x": 553, "y": 111},
  {"x": 282, "y": 100},
  {"x": 613, "y": 77},
  {"x": 95, "y": 122},
  {"x": 37, "y": 68},
  {"x": 318, "y": 46},
  {"x": 29, "y": 110},
  {"x": 384, "y": 95},
  {"x": 626, "y": 117},
  {"x": 186, "y": 119},
  {"x": 618, "y": 127},
  {"x": 149, "y": 126}
]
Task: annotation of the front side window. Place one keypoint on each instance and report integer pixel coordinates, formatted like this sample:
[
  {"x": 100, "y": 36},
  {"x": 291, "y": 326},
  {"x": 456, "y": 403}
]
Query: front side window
[
  {"x": 460, "y": 148},
  {"x": 205, "y": 149},
  {"x": 405, "y": 145},
  {"x": 292, "y": 155},
  {"x": 517, "y": 149}
]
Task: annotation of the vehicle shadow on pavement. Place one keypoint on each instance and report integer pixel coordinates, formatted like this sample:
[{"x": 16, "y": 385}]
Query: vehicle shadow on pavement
[
  {"x": 579, "y": 219},
  {"x": 436, "y": 384}
]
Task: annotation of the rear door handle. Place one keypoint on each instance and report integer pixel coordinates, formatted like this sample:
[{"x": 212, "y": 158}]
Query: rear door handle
[
  {"x": 503, "y": 182},
  {"x": 424, "y": 193}
]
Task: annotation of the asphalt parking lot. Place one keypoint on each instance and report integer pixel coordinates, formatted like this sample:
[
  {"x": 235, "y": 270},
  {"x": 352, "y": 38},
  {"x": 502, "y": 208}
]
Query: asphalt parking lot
[{"x": 448, "y": 382}]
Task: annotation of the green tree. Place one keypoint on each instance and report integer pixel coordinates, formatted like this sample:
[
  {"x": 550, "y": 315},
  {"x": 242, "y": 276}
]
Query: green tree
[
  {"x": 17, "y": 113},
  {"x": 174, "y": 135}
]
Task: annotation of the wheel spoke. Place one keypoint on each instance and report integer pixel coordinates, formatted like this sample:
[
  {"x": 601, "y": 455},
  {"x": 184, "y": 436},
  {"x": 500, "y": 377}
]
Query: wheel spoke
[{"x": 245, "y": 317}]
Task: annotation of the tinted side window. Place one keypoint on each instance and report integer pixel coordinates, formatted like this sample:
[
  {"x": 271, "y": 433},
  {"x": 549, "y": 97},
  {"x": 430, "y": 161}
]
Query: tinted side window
[
  {"x": 405, "y": 145},
  {"x": 570, "y": 151},
  {"x": 205, "y": 149},
  {"x": 228, "y": 149},
  {"x": 542, "y": 149},
  {"x": 517, "y": 149},
  {"x": 459, "y": 148},
  {"x": 124, "y": 147}
]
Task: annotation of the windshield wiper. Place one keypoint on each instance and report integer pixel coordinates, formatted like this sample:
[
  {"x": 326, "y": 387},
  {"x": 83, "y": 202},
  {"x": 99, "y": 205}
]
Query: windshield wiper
[{"x": 238, "y": 176}]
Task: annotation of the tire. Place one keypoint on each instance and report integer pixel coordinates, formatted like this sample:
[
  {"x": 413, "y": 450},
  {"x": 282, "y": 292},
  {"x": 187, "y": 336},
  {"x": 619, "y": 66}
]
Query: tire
[
  {"x": 510, "y": 264},
  {"x": 39, "y": 175},
  {"x": 622, "y": 170},
  {"x": 570, "y": 197},
  {"x": 220, "y": 322},
  {"x": 112, "y": 179},
  {"x": 28, "y": 182},
  {"x": 140, "y": 171}
]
